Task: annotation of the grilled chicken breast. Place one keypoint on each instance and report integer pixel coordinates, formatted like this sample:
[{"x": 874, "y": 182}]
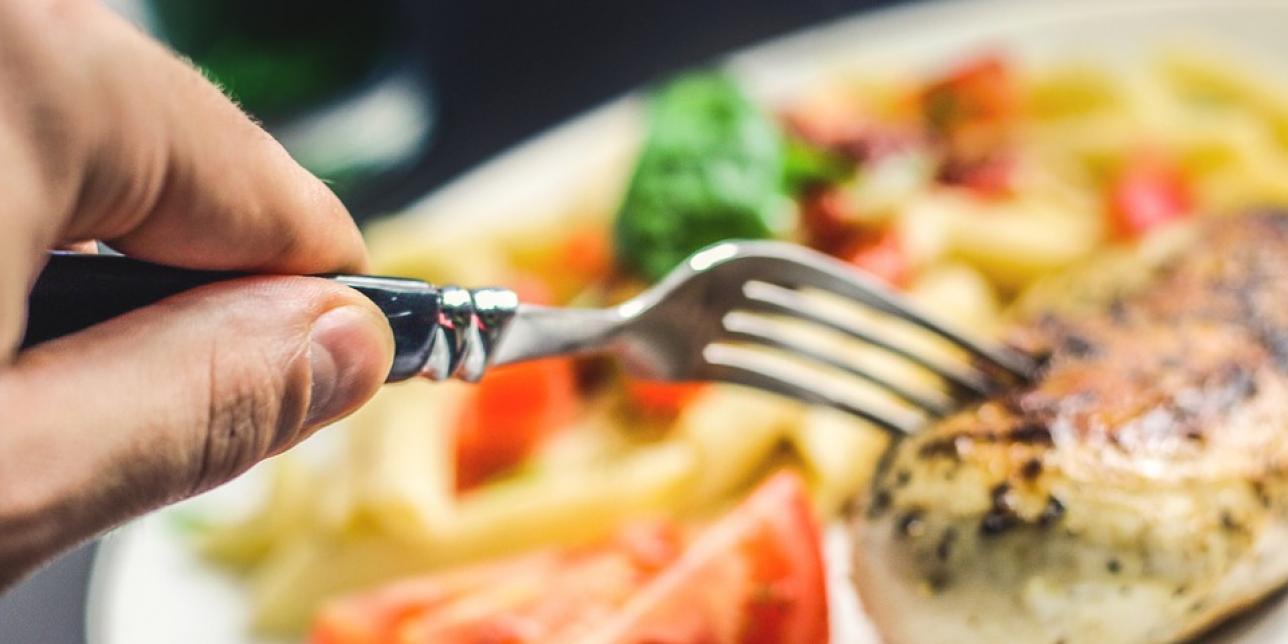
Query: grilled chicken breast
[{"x": 1136, "y": 491}]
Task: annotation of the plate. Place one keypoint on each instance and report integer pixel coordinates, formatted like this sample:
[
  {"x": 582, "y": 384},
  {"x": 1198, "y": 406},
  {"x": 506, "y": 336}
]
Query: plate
[{"x": 147, "y": 587}]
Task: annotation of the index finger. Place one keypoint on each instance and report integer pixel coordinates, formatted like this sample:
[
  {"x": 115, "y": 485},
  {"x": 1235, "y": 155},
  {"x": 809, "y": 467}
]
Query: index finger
[{"x": 162, "y": 165}]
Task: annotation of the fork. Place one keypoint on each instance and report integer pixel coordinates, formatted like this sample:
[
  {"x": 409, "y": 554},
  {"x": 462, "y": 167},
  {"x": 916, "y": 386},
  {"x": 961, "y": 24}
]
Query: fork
[{"x": 717, "y": 317}]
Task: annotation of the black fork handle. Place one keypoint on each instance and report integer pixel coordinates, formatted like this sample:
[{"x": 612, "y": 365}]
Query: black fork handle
[{"x": 77, "y": 291}]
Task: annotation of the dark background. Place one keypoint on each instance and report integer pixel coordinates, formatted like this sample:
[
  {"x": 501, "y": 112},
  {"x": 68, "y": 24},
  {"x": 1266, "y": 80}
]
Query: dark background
[
  {"x": 501, "y": 72},
  {"x": 505, "y": 70}
]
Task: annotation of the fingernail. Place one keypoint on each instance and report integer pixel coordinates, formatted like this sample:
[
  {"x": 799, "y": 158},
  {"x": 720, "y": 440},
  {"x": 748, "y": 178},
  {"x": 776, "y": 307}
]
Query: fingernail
[{"x": 346, "y": 357}]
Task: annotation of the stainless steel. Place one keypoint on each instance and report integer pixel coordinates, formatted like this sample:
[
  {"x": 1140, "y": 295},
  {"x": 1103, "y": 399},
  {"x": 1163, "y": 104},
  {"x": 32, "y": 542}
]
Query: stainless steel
[
  {"x": 705, "y": 319},
  {"x": 469, "y": 327}
]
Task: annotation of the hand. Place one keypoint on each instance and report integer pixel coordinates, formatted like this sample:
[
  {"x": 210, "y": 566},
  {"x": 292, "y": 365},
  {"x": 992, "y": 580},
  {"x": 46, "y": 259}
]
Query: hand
[{"x": 105, "y": 135}]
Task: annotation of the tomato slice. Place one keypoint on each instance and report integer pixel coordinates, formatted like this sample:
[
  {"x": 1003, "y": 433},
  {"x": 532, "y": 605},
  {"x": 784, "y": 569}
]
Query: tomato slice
[
  {"x": 1148, "y": 192},
  {"x": 660, "y": 399},
  {"x": 534, "y": 598},
  {"x": 375, "y": 617},
  {"x": 511, "y": 410},
  {"x": 754, "y": 576},
  {"x": 560, "y": 605}
]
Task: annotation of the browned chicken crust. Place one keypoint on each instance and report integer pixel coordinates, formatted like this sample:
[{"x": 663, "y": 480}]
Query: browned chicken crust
[{"x": 1135, "y": 491}]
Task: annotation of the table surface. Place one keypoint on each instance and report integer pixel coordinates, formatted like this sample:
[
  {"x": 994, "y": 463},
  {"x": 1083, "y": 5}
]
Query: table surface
[{"x": 502, "y": 71}]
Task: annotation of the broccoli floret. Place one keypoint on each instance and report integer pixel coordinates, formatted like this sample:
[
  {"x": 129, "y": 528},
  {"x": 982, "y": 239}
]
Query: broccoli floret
[{"x": 712, "y": 168}]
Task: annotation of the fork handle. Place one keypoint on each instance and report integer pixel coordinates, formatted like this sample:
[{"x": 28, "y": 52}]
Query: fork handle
[{"x": 76, "y": 291}]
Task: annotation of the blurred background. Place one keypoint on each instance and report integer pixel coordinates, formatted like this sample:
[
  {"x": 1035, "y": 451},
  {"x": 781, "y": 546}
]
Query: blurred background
[{"x": 389, "y": 99}]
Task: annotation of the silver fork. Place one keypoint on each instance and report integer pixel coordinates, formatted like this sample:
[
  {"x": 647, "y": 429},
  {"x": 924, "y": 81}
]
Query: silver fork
[
  {"x": 692, "y": 325},
  {"x": 717, "y": 317}
]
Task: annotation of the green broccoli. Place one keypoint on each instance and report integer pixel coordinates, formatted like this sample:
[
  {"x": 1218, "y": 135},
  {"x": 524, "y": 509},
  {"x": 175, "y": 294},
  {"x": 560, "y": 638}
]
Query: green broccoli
[{"x": 712, "y": 168}]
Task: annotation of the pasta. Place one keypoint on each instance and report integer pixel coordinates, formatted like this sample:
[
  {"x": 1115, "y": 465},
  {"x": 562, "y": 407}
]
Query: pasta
[{"x": 388, "y": 506}]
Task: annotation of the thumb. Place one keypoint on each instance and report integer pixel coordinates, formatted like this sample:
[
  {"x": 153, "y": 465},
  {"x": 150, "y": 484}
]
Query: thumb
[{"x": 172, "y": 399}]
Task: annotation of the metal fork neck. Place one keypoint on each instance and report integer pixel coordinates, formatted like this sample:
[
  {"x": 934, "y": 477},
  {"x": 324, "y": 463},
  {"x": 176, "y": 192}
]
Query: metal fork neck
[{"x": 542, "y": 331}]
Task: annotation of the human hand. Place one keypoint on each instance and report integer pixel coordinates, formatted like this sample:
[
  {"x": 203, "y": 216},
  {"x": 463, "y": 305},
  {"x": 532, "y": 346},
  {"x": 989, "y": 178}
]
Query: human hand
[{"x": 105, "y": 135}]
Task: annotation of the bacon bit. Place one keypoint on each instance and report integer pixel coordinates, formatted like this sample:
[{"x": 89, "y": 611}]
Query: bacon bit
[
  {"x": 971, "y": 112},
  {"x": 881, "y": 256},
  {"x": 829, "y": 217},
  {"x": 831, "y": 223},
  {"x": 990, "y": 177},
  {"x": 828, "y": 128},
  {"x": 875, "y": 144},
  {"x": 853, "y": 136},
  {"x": 982, "y": 90}
]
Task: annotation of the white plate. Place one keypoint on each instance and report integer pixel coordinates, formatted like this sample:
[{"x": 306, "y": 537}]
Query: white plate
[{"x": 148, "y": 588}]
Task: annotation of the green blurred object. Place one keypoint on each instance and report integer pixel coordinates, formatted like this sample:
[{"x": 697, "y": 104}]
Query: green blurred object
[
  {"x": 711, "y": 169},
  {"x": 806, "y": 166},
  {"x": 277, "y": 56},
  {"x": 327, "y": 77}
]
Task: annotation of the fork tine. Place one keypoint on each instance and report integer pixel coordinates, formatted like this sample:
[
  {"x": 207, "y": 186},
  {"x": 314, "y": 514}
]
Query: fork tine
[
  {"x": 769, "y": 298},
  {"x": 744, "y": 327},
  {"x": 727, "y": 364},
  {"x": 799, "y": 267}
]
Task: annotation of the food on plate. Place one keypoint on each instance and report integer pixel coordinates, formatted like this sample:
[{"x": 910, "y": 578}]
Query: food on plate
[
  {"x": 511, "y": 411},
  {"x": 1146, "y": 192},
  {"x": 711, "y": 168},
  {"x": 756, "y": 575},
  {"x": 1134, "y": 492},
  {"x": 986, "y": 190}
]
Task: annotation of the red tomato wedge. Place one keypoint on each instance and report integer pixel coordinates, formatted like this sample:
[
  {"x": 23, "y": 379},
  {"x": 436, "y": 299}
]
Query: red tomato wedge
[
  {"x": 375, "y": 617},
  {"x": 1148, "y": 192},
  {"x": 512, "y": 409},
  {"x": 552, "y": 606},
  {"x": 661, "y": 399},
  {"x": 754, "y": 576},
  {"x": 525, "y": 599}
]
